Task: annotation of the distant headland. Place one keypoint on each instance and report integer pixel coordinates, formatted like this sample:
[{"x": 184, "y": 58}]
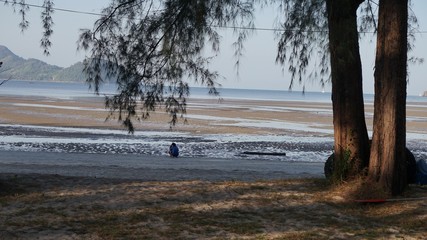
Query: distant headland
[{"x": 18, "y": 68}]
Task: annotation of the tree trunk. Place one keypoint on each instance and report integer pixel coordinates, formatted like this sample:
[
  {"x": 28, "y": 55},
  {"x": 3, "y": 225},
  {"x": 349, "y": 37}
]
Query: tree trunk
[
  {"x": 351, "y": 142},
  {"x": 387, "y": 159}
]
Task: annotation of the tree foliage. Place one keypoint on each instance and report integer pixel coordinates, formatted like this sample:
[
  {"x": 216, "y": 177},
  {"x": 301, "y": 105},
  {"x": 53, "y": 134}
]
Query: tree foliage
[
  {"x": 154, "y": 48},
  {"x": 22, "y": 8},
  {"x": 303, "y": 33}
]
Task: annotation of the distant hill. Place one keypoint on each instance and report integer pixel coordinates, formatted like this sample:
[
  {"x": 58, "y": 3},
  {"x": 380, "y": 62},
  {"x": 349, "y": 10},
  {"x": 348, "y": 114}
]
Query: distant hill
[
  {"x": 72, "y": 73},
  {"x": 18, "y": 68}
]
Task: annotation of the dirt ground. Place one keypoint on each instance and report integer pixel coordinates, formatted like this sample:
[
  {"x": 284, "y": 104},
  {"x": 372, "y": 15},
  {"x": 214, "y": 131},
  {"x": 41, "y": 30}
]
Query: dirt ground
[{"x": 34, "y": 206}]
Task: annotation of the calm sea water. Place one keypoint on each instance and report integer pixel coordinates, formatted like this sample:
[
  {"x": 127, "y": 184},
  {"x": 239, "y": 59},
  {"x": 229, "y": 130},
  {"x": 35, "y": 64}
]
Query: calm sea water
[{"x": 74, "y": 90}]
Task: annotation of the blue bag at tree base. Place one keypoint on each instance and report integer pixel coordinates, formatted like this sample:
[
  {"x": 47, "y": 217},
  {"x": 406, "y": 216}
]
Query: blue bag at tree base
[{"x": 421, "y": 172}]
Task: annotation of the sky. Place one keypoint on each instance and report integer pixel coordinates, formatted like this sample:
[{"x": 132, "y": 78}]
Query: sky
[{"x": 258, "y": 69}]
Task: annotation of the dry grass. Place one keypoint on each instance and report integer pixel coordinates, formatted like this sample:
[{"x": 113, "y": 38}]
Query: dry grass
[
  {"x": 359, "y": 188},
  {"x": 57, "y": 207}
]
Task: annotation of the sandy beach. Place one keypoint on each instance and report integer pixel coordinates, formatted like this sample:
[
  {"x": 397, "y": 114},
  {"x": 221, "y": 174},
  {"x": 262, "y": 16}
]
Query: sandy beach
[{"x": 61, "y": 182}]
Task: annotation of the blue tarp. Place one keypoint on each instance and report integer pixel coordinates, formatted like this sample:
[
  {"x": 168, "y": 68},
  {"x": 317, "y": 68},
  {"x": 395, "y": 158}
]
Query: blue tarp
[{"x": 421, "y": 172}]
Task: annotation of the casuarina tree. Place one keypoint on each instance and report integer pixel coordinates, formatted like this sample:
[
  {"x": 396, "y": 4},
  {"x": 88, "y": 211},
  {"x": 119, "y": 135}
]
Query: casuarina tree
[
  {"x": 388, "y": 161},
  {"x": 351, "y": 143}
]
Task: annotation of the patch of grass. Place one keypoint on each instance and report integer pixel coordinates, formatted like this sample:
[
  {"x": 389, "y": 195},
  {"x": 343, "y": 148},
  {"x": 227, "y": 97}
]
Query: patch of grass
[
  {"x": 36, "y": 223},
  {"x": 303, "y": 235}
]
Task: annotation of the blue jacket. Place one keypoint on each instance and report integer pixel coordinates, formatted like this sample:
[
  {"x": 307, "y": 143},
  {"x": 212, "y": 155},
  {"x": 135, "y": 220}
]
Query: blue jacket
[{"x": 174, "y": 151}]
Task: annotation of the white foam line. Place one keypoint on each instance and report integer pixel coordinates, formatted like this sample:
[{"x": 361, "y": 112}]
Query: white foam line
[
  {"x": 415, "y": 135},
  {"x": 144, "y": 135},
  {"x": 97, "y": 131},
  {"x": 416, "y": 119},
  {"x": 416, "y": 106},
  {"x": 224, "y": 138},
  {"x": 292, "y": 109}
]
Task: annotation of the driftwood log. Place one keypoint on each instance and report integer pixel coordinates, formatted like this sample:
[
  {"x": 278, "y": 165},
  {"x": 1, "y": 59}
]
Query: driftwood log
[{"x": 265, "y": 153}]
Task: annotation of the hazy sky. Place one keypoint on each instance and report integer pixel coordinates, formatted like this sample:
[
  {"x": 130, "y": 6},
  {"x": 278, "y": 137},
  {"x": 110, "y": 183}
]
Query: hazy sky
[{"x": 257, "y": 71}]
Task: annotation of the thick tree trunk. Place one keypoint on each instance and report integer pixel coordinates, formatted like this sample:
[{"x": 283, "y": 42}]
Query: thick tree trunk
[
  {"x": 387, "y": 159},
  {"x": 351, "y": 146}
]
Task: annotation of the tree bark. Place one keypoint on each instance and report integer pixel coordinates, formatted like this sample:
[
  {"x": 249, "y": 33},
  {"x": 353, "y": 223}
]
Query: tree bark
[
  {"x": 351, "y": 142},
  {"x": 387, "y": 158}
]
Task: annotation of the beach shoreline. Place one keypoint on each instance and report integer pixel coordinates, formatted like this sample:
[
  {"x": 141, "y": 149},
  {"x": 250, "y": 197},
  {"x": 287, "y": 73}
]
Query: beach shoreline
[
  {"x": 216, "y": 129},
  {"x": 65, "y": 173}
]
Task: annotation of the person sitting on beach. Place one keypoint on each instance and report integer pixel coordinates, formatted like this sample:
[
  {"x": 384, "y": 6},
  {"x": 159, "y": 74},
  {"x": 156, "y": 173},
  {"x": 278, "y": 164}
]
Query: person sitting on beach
[{"x": 173, "y": 150}]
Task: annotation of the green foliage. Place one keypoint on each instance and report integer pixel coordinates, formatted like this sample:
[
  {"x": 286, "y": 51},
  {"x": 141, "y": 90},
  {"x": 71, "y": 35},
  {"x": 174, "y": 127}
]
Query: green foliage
[
  {"x": 46, "y": 16},
  {"x": 47, "y": 22},
  {"x": 339, "y": 168},
  {"x": 304, "y": 38}
]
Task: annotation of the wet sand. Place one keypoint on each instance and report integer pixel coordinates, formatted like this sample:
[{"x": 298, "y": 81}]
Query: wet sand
[
  {"x": 203, "y": 116},
  {"x": 154, "y": 168}
]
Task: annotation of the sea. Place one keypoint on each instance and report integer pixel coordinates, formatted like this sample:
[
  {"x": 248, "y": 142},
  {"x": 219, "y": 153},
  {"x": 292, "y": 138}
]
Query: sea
[
  {"x": 66, "y": 90},
  {"x": 309, "y": 148}
]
